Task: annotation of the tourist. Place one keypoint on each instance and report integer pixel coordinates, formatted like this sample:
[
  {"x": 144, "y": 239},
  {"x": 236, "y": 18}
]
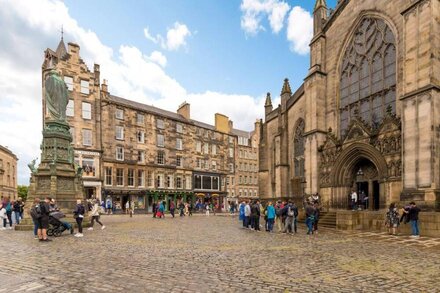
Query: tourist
[
  {"x": 34, "y": 216},
  {"x": 172, "y": 208},
  {"x": 78, "y": 214},
  {"x": 190, "y": 209},
  {"x": 8, "y": 207},
  {"x": 270, "y": 213},
  {"x": 290, "y": 214},
  {"x": 94, "y": 215},
  {"x": 53, "y": 208},
  {"x": 161, "y": 210},
  {"x": 241, "y": 216},
  {"x": 17, "y": 208},
  {"x": 310, "y": 218},
  {"x": 255, "y": 216},
  {"x": 154, "y": 209},
  {"x": 353, "y": 200},
  {"x": 182, "y": 208},
  {"x": 109, "y": 206},
  {"x": 413, "y": 215},
  {"x": 247, "y": 214},
  {"x": 186, "y": 209},
  {"x": 207, "y": 210},
  {"x": 127, "y": 207},
  {"x": 3, "y": 216},
  {"x": 42, "y": 211},
  {"x": 278, "y": 220},
  {"x": 392, "y": 219},
  {"x": 317, "y": 214}
]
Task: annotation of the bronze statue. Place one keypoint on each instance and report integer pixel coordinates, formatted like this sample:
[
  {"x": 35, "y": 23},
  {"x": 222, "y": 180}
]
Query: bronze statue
[
  {"x": 32, "y": 167},
  {"x": 57, "y": 96}
]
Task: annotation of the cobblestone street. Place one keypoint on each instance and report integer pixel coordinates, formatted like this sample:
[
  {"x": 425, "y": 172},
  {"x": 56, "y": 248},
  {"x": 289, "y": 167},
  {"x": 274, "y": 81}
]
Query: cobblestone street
[{"x": 213, "y": 254}]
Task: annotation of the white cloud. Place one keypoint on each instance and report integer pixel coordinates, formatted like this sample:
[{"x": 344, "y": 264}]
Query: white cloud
[
  {"x": 299, "y": 30},
  {"x": 27, "y": 28},
  {"x": 176, "y": 37},
  {"x": 255, "y": 10}
]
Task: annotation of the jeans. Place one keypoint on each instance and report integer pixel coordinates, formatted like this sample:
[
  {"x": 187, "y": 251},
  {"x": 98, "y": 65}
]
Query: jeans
[
  {"x": 415, "y": 227},
  {"x": 288, "y": 223},
  {"x": 17, "y": 217},
  {"x": 309, "y": 223},
  {"x": 95, "y": 218},
  {"x": 9, "y": 215},
  {"x": 79, "y": 222},
  {"x": 256, "y": 222},
  {"x": 66, "y": 225},
  {"x": 270, "y": 224},
  {"x": 35, "y": 227},
  {"x": 246, "y": 221}
]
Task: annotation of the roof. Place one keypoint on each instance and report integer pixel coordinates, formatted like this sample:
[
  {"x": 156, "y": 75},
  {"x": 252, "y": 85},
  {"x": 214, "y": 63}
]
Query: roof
[
  {"x": 241, "y": 133},
  {"x": 8, "y": 151}
]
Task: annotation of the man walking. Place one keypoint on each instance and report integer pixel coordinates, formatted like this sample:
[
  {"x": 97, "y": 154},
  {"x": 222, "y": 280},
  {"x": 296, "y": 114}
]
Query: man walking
[
  {"x": 247, "y": 214},
  {"x": 270, "y": 213},
  {"x": 310, "y": 218},
  {"x": 413, "y": 215},
  {"x": 290, "y": 212}
]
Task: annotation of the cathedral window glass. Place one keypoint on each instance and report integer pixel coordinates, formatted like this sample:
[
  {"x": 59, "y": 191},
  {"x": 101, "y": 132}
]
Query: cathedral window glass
[{"x": 298, "y": 145}]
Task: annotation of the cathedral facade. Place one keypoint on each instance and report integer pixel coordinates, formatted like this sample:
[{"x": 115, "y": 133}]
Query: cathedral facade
[{"x": 366, "y": 118}]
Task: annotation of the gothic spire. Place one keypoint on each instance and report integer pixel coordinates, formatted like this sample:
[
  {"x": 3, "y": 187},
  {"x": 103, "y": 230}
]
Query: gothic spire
[
  {"x": 61, "y": 49},
  {"x": 320, "y": 3},
  {"x": 268, "y": 100},
  {"x": 286, "y": 87}
]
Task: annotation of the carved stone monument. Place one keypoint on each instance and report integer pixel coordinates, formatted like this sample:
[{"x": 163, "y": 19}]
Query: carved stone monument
[{"x": 56, "y": 176}]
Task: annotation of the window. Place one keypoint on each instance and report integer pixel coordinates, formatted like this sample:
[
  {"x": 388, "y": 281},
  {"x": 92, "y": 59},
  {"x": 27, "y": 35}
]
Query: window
[
  {"x": 368, "y": 75},
  {"x": 199, "y": 147},
  {"x": 197, "y": 182},
  {"x": 141, "y": 156},
  {"x": 179, "y": 161},
  {"x": 215, "y": 183},
  {"x": 232, "y": 180},
  {"x": 169, "y": 181},
  {"x": 140, "y": 136},
  {"x": 86, "y": 110},
  {"x": 227, "y": 181},
  {"x": 198, "y": 163},
  {"x": 179, "y": 128},
  {"x": 188, "y": 182},
  {"x": 231, "y": 167},
  {"x": 160, "y": 124},
  {"x": 231, "y": 140},
  {"x": 159, "y": 180},
  {"x": 119, "y": 153},
  {"x": 239, "y": 192},
  {"x": 240, "y": 180},
  {"x": 160, "y": 157},
  {"x": 139, "y": 118},
  {"x": 108, "y": 176},
  {"x": 179, "y": 182},
  {"x": 214, "y": 149},
  {"x": 72, "y": 133},
  {"x": 88, "y": 166},
  {"x": 70, "y": 109},
  {"x": 85, "y": 87},
  {"x": 214, "y": 165},
  {"x": 69, "y": 82},
  {"x": 179, "y": 145},
  {"x": 160, "y": 140},
  {"x": 245, "y": 180},
  {"x": 150, "y": 178},
  {"x": 120, "y": 177},
  {"x": 87, "y": 137},
  {"x": 119, "y": 132},
  {"x": 231, "y": 152},
  {"x": 206, "y": 148},
  {"x": 130, "y": 177},
  {"x": 119, "y": 114},
  {"x": 298, "y": 149},
  {"x": 140, "y": 178}
]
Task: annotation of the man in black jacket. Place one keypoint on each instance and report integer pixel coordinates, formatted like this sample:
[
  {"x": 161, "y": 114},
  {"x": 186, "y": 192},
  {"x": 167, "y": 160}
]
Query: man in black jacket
[
  {"x": 413, "y": 215},
  {"x": 255, "y": 216},
  {"x": 43, "y": 220}
]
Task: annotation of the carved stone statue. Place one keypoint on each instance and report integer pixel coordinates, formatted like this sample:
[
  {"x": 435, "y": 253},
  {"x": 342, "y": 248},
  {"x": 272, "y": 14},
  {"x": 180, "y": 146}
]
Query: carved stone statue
[
  {"x": 32, "y": 167},
  {"x": 57, "y": 96}
]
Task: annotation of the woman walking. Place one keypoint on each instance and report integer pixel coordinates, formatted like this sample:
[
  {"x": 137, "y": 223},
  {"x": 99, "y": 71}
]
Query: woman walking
[
  {"x": 172, "y": 208},
  {"x": 78, "y": 214},
  {"x": 270, "y": 213},
  {"x": 392, "y": 219},
  {"x": 94, "y": 214}
]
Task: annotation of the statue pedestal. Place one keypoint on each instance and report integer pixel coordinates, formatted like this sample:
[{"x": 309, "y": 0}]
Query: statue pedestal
[{"x": 56, "y": 175}]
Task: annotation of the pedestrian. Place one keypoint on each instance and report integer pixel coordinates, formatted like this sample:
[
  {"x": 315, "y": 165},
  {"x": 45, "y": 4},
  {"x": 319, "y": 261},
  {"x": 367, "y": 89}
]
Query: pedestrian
[
  {"x": 34, "y": 216},
  {"x": 186, "y": 207},
  {"x": 94, "y": 216},
  {"x": 43, "y": 211},
  {"x": 317, "y": 214},
  {"x": 154, "y": 209},
  {"x": 247, "y": 214},
  {"x": 161, "y": 210},
  {"x": 181, "y": 208},
  {"x": 290, "y": 214},
  {"x": 190, "y": 209},
  {"x": 207, "y": 210},
  {"x": 78, "y": 214},
  {"x": 16, "y": 208},
  {"x": 172, "y": 208},
  {"x": 3, "y": 216},
  {"x": 270, "y": 213},
  {"x": 255, "y": 216},
  {"x": 413, "y": 216},
  {"x": 127, "y": 207},
  {"x": 109, "y": 206},
  {"x": 392, "y": 220},
  {"x": 310, "y": 218},
  {"x": 54, "y": 208},
  {"x": 8, "y": 207},
  {"x": 266, "y": 222},
  {"x": 241, "y": 216},
  {"x": 353, "y": 200}
]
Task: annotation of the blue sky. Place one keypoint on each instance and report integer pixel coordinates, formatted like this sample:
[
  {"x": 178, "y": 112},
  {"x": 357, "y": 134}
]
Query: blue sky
[{"x": 221, "y": 56}]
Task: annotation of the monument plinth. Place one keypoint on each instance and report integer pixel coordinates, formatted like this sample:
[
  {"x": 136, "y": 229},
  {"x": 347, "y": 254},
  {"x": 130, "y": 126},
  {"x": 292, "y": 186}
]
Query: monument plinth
[{"x": 56, "y": 176}]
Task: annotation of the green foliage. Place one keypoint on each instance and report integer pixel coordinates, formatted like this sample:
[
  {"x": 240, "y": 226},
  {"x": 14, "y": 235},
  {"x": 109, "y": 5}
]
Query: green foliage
[{"x": 22, "y": 191}]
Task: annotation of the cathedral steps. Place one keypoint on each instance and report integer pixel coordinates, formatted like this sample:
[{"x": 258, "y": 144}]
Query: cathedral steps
[{"x": 327, "y": 219}]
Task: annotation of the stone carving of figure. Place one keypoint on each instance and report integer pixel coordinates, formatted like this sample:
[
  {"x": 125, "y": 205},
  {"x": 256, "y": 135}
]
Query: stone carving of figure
[
  {"x": 31, "y": 166},
  {"x": 57, "y": 96}
]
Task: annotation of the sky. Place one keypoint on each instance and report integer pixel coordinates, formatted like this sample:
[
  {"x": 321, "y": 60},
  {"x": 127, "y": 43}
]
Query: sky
[{"x": 221, "y": 56}]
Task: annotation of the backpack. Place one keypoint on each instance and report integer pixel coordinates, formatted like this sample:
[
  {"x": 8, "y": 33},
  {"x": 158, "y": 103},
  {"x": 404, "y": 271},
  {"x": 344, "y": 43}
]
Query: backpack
[
  {"x": 277, "y": 211},
  {"x": 290, "y": 212},
  {"x": 8, "y": 207},
  {"x": 36, "y": 212}
]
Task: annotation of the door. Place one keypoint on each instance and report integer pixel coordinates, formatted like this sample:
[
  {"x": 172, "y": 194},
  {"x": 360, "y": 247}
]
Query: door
[{"x": 376, "y": 203}]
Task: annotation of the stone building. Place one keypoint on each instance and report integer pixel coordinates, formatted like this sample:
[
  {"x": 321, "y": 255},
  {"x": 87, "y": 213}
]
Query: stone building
[
  {"x": 135, "y": 152},
  {"x": 243, "y": 183},
  {"x": 366, "y": 117},
  {"x": 8, "y": 173}
]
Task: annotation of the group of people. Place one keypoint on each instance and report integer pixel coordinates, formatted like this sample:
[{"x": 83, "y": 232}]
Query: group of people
[
  {"x": 358, "y": 202},
  {"x": 10, "y": 212},
  {"x": 184, "y": 209},
  {"x": 409, "y": 214},
  {"x": 283, "y": 214}
]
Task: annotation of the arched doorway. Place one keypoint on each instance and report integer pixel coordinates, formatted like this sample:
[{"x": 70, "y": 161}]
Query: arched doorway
[{"x": 360, "y": 167}]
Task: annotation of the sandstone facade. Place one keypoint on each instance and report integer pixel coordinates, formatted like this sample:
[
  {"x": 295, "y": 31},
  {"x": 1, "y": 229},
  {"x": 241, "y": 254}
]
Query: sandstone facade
[{"x": 8, "y": 173}]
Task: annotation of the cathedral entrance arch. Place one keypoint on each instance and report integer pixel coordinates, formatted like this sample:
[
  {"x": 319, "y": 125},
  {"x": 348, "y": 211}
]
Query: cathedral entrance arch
[{"x": 360, "y": 168}]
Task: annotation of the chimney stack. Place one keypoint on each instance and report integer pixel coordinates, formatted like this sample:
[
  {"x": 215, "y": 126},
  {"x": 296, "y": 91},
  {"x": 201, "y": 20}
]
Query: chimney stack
[{"x": 184, "y": 110}]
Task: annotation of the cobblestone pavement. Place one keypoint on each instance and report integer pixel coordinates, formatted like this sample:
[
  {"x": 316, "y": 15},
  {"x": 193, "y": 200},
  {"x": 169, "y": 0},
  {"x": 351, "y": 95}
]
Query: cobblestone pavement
[{"x": 213, "y": 254}]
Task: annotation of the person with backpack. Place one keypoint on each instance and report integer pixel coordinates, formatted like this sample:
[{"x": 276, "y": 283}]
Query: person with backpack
[
  {"x": 255, "y": 216},
  {"x": 16, "y": 208},
  {"x": 78, "y": 214},
  {"x": 310, "y": 218},
  {"x": 40, "y": 215},
  {"x": 8, "y": 207},
  {"x": 94, "y": 215},
  {"x": 290, "y": 214},
  {"x": 270, "y": 213}
]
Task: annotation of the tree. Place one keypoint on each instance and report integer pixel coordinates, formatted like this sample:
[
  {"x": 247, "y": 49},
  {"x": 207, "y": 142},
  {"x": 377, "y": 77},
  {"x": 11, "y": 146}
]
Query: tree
[{"x": 22, "y": 191}]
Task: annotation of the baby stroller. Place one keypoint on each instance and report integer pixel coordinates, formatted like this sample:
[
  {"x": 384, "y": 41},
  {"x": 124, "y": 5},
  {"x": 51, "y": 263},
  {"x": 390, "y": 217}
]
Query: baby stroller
[{"x": 56, "y": 226}]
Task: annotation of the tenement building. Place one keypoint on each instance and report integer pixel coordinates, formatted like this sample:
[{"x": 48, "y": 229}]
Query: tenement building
[
  {"x": 366, "y": 118},
  {"x": 134, "y": 152},
  {"x": 8, "y": 173}
]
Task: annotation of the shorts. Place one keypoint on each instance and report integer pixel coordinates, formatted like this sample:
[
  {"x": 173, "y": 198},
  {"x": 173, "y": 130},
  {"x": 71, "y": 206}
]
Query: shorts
[{"x": 43, "y": 223}]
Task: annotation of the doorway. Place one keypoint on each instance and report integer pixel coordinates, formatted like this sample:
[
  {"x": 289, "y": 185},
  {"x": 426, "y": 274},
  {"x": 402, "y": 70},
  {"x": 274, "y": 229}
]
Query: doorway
[
  {"x": 376, "y": 201},
  {"x": 362, "y": 191}
]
